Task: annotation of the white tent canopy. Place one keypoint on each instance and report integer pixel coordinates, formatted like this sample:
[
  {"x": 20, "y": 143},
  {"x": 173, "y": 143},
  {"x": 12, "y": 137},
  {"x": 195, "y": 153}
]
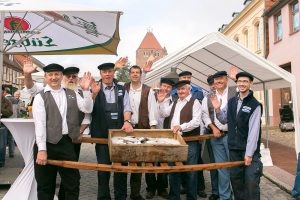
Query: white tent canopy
[{"x": 216, "y": 52}]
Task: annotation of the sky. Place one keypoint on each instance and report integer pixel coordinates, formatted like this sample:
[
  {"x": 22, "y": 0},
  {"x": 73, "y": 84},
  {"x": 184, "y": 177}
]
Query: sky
[{"x": 175, "y": 23}]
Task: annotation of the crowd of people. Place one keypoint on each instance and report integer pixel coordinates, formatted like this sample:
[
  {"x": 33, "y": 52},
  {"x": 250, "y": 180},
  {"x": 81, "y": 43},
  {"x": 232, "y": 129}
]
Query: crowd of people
[{"x": 66, "y": 106}]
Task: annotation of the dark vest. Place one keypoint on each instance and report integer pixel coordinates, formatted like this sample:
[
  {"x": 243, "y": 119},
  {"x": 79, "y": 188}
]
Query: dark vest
[
  {"x": 231, "y": 93},
  {"x": 107, "y": 115},
  {"x": 186, "y": 115},
  {"x": 54, "y": 118},
  {"x": 143, "y": 122},
  {"x": 238, "y": 123},
  {"x": 81, "y": 114}
]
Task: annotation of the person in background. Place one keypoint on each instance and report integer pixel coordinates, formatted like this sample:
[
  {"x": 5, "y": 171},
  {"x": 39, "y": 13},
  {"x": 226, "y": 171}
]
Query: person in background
[{"x": 20, "y": 104}]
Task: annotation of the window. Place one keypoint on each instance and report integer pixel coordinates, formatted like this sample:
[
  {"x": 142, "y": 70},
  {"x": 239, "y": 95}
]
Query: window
[
  {"x": 278, "y": 27},
  {"x": 294, "y": 16},
  {"x": 246, "y": 38},
  {"x": 257, "y": 37}
]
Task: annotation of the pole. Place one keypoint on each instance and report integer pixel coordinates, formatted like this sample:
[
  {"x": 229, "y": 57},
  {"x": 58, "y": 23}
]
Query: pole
[
  {"x": 1, "y": 54},
  {"x": 267, "y": 117}
]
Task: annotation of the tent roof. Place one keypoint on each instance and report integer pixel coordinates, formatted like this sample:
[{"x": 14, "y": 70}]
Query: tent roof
[{"x": 216, "y": 52}]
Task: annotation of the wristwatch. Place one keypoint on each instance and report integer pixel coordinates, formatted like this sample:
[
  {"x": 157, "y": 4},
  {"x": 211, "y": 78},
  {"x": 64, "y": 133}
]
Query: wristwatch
[{"x": 128, "y": 120}]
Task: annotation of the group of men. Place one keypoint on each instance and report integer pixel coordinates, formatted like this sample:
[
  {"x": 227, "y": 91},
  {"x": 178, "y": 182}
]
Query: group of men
[{"x": 62, "y": 112}]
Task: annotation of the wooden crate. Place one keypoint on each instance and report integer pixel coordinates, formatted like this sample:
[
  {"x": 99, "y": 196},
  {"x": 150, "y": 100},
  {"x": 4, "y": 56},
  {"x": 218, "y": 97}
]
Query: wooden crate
[{"x": 147, "y": 152}]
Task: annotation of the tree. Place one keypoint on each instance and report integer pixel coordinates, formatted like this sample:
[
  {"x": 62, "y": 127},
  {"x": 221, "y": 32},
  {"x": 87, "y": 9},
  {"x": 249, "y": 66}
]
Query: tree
[{"x": 122, "y": 75}]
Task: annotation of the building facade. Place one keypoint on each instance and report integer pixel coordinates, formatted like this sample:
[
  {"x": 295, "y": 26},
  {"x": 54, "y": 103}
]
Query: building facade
[
  {"x": 284, "y": 39},
  {"x": 149, "y": 48}
]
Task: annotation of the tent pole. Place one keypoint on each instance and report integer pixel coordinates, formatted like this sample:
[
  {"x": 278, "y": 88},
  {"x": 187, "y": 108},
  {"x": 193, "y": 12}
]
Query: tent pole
[
  {"x": 1, "y": 53},
  {"x": 267, "y": 117}
]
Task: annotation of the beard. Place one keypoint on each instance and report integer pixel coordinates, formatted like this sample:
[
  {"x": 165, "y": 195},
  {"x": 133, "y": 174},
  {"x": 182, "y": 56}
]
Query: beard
[{"x": 71, "y": 86}]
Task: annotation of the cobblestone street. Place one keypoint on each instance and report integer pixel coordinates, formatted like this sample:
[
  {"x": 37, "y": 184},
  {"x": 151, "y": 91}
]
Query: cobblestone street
[{"x": 89, "y": 178}]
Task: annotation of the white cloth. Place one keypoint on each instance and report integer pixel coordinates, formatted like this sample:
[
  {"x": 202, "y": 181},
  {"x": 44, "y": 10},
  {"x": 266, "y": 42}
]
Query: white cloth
[
  {"x": 39, "y": 113},
  {"x": 135, "y": 100},
  {"x": 165, "y": 110},
  {"x": 24, "y": 187}
]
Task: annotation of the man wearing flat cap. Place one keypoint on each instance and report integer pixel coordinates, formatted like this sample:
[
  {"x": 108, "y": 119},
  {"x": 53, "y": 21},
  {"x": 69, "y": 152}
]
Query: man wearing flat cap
[
  {"x": 111, "y": 110},
  {"x": 219, "y": 143},
  {"x": 56, "y": 119},
  {"x": 243, "y": 115},
  {"x": 185, "y": 116}
]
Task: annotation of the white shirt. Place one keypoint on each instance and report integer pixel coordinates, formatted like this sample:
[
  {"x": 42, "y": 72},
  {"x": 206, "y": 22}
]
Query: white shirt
[
  {"x": 135, "y": 100},
  {"x": 165, "y": 110},
  {"x": 84, "y": 104},
  {"x": 205, "y": 114},
  {"x": 160, "y": 120}
]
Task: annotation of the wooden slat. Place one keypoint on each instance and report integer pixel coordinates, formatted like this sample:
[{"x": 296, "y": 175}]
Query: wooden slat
[
  {"x": 198, "y": 137},
  {"x": 116, "y": 164},
  {"x": 132, "y": 164},
  {"x": 149, "y": 164},
  {"x": 146, "y": 169},
  {"x": 164, "y": 164},
  {"x": 94, "y": 140},
  {"x": 178, "y": 163}
]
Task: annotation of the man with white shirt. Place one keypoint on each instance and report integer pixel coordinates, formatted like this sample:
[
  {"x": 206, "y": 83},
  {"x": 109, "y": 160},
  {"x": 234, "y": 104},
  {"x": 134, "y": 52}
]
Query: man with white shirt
[
  {"x": 143, "y": 105},
  {"x": 185, "y": 116},
  {"x": 56, "y": 118},
  {"x": 219, "y": 143}
]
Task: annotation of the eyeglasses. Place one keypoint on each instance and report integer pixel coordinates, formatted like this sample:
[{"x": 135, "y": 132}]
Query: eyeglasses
[
  {"x": 71, "y": 76},
  {"x": 243, "y": 81}
]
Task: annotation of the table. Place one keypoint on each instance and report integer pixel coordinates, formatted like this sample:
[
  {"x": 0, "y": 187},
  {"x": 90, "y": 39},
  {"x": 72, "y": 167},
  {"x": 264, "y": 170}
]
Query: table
[{"x": 24, "y": 187}]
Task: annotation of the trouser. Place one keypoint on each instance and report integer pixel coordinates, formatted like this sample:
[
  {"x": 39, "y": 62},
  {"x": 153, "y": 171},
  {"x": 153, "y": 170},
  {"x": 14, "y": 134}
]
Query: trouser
[
  {"x": 135, "y": 184},
  {"x": 191, "y": 176},
  {"x": 3, "y": 142},
  {"x": 11, "y": 144},
  {"x": 221, "y": 154},
  {"x": 156, "y": 182},
  {"x": 245, "y": 179},
  {"x": 213, "y": 173},
  {"x": 61, "y": 193},
  {"x": 45, "y": 175},
  {"x": 120, "y": 179}
]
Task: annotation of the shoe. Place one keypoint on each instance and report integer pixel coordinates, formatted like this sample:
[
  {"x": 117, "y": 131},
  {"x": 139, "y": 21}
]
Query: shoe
[
  {"x": 12, "y": 155},
  {"x": 202, "y": 194},
  {"x": 150, "y": 195},
  {"x": 139, "y": 197},
  {"x": 1, "y": 165},
  {"x": 213, "y": 197},
  {"x": 183, "y": 191},
  {"x": 164, "y": 194}
]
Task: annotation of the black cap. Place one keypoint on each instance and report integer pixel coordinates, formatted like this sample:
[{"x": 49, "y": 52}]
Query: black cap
[
  {"x": 106, "y": 66},
  {"x": 167, "y": 81},
  {"x": 210, "y": 79},
  {"x": 244, "y": 74},
  {"x": 181, "y": 83},
  {"x": 71, "y": 70},
  {"x": 53, "y": 67},
  {"x": 219, "y": 74},
  {"x": 185, "y": 73}
]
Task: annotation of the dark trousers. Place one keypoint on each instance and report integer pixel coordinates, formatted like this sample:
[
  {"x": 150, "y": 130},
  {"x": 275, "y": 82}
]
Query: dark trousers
[
  {"x": 135, "y": 184},
  {"x": 245, "y": 179},
  {"x": 61, "y": 193},
  {"x": 213, "y": 173},
  {"x": 157, "y": 182},
  {"x": 120, "y": 179},
  {"x": 191, "y": 177},
  {"x": 45, "y": 175}
]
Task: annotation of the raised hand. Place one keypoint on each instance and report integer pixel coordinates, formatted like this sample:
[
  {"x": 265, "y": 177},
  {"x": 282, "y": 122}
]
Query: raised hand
[
  {"x": 95, "y": 87},
  {"x": 119, "y": 64},
  {"x": 147, "y": 66},
  {"x": 232, "y": 73},
  {"x": 86, "y": 81},
  {"x": 215, "y": 102},
  {"x": 28, "y": 67}
]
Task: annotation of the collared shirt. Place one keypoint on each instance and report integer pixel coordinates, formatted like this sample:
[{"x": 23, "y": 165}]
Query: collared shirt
[
  {"x": 111, "y": 98},
  {"x": 84, "y": 104},
  {"x": 165, "y": 110},
  {"x": 254, "y": 126},
  {"x": 135, "y": 100},
  {"x": 160, "y": 120},
  {"x": 205, "y": 114}
]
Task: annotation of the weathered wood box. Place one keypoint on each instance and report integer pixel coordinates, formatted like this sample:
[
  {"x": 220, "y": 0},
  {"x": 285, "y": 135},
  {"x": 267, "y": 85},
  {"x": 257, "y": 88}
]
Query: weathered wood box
[{"x": 147, "y": 152}]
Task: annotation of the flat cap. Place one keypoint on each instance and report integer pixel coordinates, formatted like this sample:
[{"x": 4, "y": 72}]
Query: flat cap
[
  {"x": 182, "y": 83},
  {"x": 106, "y": 66},
  {"x": 210, "y": 79},
  {"x": 244, "y": 74},
  {"x": 53, "y": 67},
  {"x": 219, "y": 74},
  {"x": 71, "y": 70},
  {"x": 167, "y": 81},
  {"x": 185, "y": 73}
]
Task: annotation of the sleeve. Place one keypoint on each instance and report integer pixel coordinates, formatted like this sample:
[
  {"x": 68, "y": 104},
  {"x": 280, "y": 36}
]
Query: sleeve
[
  {"x": 205, "y": 114},
  {"x": 85, "y": 104},
  {"x": 253, "y": 135},
  {"x": 86, "y": 119},
  {"x": 152, "y": 108},
  {"x": 222, "y": 115},
  {"x": 164, "y": 109},
  {"x": 196, "y": 120},
  {"x": 126, "y": 103},
  {"x": 39, "y": 118},
  {"x": 35, "y": 89}
]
